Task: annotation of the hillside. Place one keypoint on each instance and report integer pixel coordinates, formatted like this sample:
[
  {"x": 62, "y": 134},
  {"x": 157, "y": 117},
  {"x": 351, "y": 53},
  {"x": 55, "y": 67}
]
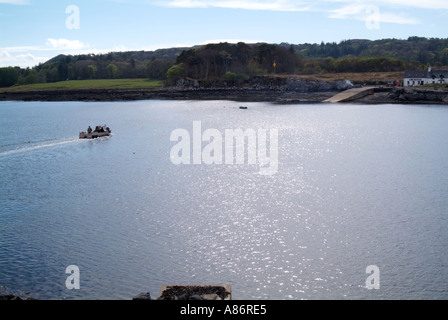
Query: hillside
[{"x": 236, "y": 64}]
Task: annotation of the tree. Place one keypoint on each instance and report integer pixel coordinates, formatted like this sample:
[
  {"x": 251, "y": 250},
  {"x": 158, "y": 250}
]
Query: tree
[
  {"x": 226, "y": 59},
  {"x": 112, "y": 71},
  {"x": 236, "y": 78},
  {"x": 158, "y": 68},
  {"x": 9, "y": 76},
  {"x": 28, "y": 76},
  {"x": 175, "y": 73},
  {"x": 444, "y": 57},
  {"x": 92, "y": 71},
  {"x": 62, "y": 70}
]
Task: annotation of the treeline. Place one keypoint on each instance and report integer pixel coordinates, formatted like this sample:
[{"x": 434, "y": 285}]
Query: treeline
[
  {"x": 240, "y": 61},
  {"x": 433, "y": 51},
  {"x": 236, "y": 63},
  {"x": 114, "y": 65},
  {"x": 358, "y": 64}
]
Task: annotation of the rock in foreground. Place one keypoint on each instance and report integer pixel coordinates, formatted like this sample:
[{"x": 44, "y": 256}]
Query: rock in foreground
[{"x": 195, "y": 292}]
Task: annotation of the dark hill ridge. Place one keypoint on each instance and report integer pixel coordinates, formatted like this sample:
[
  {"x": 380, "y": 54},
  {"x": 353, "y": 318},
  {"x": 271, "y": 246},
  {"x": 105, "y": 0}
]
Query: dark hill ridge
[
  {"x": 423, "y": 50},
  {"x": 238, "y": 63},
  {"x": 242, "y": 72}
]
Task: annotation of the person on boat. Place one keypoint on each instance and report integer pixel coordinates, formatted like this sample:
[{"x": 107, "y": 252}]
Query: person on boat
[{"x": 89, "y": 130}]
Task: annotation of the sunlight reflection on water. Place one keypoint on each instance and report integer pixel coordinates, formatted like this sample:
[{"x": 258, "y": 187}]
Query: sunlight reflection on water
[{"x": 356, "y": 186}]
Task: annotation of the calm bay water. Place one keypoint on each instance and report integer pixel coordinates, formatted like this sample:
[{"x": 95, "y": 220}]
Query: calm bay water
[{"x": 357, "y": 185}]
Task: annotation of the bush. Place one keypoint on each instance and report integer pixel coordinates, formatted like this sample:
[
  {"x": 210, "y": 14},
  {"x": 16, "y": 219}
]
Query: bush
[
  {"x": 236, "y": 78},
  {"x": 175, "y": 73}
]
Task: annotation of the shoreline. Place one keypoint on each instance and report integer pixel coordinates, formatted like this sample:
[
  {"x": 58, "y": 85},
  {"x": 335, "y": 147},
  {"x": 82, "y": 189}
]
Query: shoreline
[
  {"x": 245, "y": 94},
  {"x": 236, "y": 94}
]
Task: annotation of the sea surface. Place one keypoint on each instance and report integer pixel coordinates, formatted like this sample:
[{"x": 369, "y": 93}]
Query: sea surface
[{"x": 357, "y": 187}]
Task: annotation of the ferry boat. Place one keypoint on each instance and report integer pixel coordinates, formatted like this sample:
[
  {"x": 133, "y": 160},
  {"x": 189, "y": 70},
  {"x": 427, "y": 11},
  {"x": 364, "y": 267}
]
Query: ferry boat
[{"x": 100, "y": 131}]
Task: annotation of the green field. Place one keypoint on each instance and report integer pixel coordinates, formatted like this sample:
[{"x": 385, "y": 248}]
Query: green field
[{"x": 92, "y": 84}]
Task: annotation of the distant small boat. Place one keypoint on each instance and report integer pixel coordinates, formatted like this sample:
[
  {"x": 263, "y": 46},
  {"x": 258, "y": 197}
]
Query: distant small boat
[
  {"x": 100, "y": 131},
  {"x": 242, "y": 107}
]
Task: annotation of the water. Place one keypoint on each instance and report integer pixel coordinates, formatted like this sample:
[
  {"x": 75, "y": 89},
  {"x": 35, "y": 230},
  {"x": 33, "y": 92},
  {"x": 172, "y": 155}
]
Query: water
[{"x": 357, "y": 185}]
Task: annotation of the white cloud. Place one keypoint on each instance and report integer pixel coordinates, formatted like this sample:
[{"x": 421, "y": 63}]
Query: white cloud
[
  {"x": 302, "y": 5},
  {"x": 360, "y": 11},
  {"x": 397, "y": 4},
  {"x": 230, "y": 41},
  {"x": 23, "y": 60},
  {"x": 50, "y": 45},
  {"x": 30, "y": 56},
  {"x": 390, "y": 11},
  {"x": 425, "y": 4},
  {"x": 397, "y": 18},
  {"x": 64, "y": 44},
  {"x": 16, "y": 2},
  {"x": 278, "y": 5}
]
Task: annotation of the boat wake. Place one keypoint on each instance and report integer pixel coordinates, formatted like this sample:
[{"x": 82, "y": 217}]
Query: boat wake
[{"x": 28, "y": 146}]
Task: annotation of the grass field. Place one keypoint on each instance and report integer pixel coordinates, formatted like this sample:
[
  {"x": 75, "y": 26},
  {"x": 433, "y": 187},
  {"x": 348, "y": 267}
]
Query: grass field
[
  {"x": 155, "y": 84},
  {"x": 92, "y": 84}
]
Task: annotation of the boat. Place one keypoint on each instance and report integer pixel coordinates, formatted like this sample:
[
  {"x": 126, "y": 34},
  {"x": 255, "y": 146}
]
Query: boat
[
  {"x": 243, "y": 107},
  {"x": 100, "y": 131}
]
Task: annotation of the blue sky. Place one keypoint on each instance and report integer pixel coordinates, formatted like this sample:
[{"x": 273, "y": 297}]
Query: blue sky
[{"x": 33, "y": 31}]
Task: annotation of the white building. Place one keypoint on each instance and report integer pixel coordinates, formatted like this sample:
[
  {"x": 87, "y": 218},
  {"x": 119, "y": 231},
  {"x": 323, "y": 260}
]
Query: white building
[{"x": 419, "y": 78}]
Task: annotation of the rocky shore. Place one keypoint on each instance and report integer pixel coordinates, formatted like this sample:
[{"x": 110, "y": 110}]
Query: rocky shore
[
  {"x": 168, "y": 292},
  {"x": 271, "y": 90},
  {"x": 236, "y": 94},
  {"x": 8, "y": 294},
  {"x": 282, "y": 90},
  {"x": 405, "y": 96},
  {"x": 411, "y": 95}
]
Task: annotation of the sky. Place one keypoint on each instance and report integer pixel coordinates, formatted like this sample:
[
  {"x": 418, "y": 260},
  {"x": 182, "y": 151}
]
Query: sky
[{"x": 34, "y": 31}]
